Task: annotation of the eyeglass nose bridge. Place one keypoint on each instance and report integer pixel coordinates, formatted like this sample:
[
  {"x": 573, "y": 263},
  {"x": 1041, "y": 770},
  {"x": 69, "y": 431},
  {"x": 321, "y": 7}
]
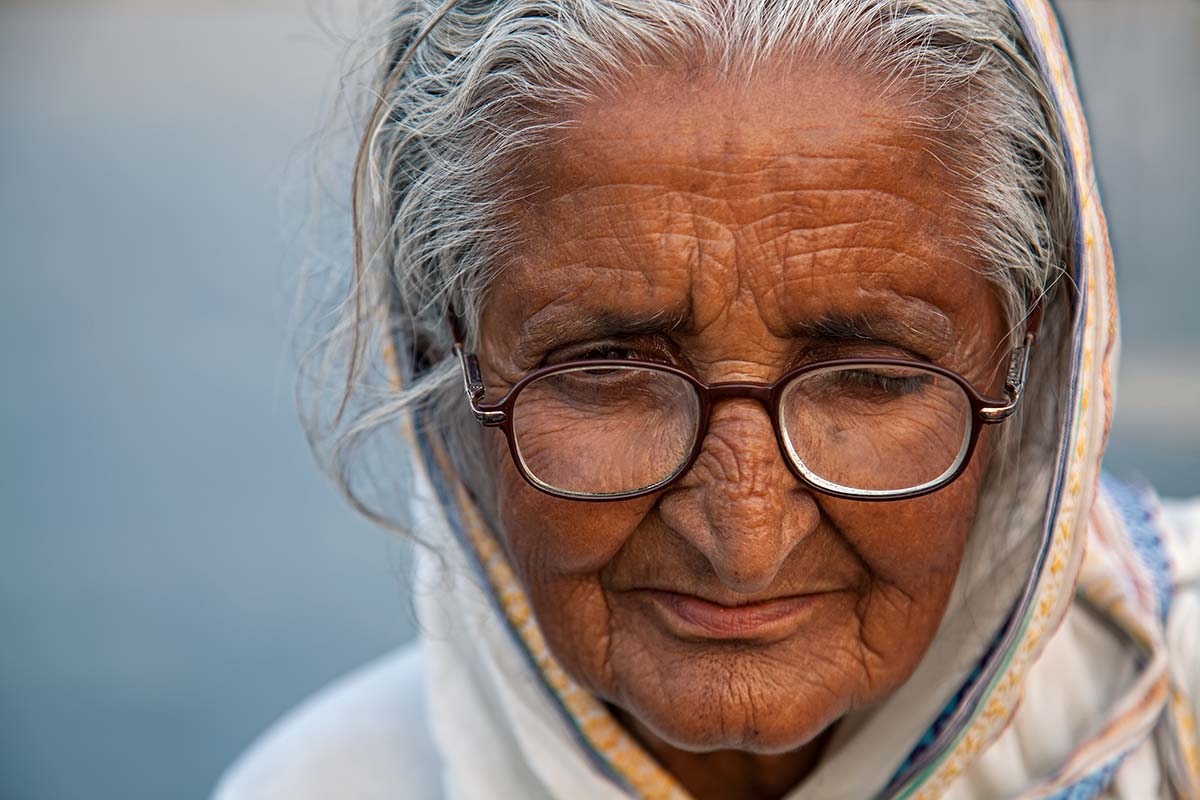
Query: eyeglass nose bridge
[
  {"x": 763, "y": 393},
  {"x": 730, "y": 390}
]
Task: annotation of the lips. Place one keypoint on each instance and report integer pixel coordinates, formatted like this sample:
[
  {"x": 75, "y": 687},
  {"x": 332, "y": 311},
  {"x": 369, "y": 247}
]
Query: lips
[{"x": 691, "y": 617}]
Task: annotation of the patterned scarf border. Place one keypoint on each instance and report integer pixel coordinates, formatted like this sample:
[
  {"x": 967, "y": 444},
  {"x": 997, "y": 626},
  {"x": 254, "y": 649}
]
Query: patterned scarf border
[{"x": 1093, "y": 356}]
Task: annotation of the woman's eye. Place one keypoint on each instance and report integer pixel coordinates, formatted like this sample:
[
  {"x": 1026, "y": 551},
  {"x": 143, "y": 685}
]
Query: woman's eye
[
  {"x": 612, "y": 352},
  {"x": 617, "y": 353},
  {"x": 893, "y": 383}
]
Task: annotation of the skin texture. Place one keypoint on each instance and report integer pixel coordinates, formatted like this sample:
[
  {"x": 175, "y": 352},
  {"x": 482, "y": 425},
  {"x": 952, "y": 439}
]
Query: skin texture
[{"x": 730, "y": 220}]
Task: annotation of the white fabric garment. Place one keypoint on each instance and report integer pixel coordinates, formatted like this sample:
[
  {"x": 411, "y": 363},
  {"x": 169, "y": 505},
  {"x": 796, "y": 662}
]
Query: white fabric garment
[
  {"x": 1086, "y": 692},
  {"x": 369, "y": 735},
  {"x": 364, "y": 737}
]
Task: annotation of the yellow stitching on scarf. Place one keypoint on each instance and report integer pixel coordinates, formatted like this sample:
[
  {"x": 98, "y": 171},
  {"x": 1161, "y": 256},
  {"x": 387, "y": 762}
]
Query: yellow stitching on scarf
[
  {"x": 643, "y": 774},
  {"x": 986, "y": 727}
]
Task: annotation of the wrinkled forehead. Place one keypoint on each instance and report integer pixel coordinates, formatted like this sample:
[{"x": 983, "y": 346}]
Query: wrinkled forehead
[
  {"x": 779, "y": 196},
  {"x": 707, "y": 122}
]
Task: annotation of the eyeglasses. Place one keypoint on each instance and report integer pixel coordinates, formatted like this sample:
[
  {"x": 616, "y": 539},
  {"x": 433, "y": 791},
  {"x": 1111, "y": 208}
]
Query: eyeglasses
[{"x": 858, "y": 428}]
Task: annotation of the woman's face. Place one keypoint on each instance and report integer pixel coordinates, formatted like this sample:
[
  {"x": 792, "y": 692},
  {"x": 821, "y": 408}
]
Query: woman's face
[{"x": 721, "y": 228}]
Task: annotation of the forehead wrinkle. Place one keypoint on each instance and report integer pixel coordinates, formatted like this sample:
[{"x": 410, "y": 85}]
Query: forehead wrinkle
[
  {"x": 649, "y": 258},
  {"x": 724, "y": 279},
  {"x": 808, "y": 201},
  {"x": 702, "y": 209},
  {"x": 897, "y": 309},
  {"x": 633, "y": 127},
  {"x": 806, "y": 178},
  {"x": 726, "y": 179}
]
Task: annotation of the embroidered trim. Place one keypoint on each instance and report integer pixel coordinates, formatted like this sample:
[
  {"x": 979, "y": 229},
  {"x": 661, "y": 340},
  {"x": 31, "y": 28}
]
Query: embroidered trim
[{"x": 1138, "y": 507}]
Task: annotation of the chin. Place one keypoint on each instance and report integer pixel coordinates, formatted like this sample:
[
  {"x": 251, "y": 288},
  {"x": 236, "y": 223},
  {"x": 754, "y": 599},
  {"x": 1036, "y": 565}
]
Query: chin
[{"x": 757, "y": 713}]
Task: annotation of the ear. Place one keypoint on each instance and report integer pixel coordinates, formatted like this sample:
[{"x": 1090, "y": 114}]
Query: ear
[{"x": 411, "y": 350}]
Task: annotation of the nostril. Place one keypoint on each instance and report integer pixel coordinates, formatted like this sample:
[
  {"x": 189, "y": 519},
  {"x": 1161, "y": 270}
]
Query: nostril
[{"x": 750, "y": 540}]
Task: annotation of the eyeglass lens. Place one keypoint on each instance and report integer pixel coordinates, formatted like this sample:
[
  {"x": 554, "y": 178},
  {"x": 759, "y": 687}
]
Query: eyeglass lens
[
  {"x": 602, "y": 431},
  {"x": 875, "y": 428},
  {"x": 590, "y": 431}
]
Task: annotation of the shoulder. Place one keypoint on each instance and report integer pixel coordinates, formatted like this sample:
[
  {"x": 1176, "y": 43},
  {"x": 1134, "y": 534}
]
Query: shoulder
[{"x": 365, "y": 736}]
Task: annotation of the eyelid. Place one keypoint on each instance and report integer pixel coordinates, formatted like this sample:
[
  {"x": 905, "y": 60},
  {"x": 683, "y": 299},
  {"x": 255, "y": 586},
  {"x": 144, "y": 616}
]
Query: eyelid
[
  {"x": 662, "y": 349},
  {"x": 643, "y": 347},
  {"x": 860, "y": 348}
]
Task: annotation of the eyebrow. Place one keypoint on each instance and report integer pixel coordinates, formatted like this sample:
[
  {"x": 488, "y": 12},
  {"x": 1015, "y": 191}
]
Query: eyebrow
[
  {"x": 932, "y": 334},
  {"x": 934, "y": 338},
  {"x": 566, "y": 324}
]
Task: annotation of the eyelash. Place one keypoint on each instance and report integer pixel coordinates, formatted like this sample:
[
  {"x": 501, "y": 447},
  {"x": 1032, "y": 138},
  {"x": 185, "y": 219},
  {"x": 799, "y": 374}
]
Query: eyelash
[
  {"x": 663, "y": 353},
  {"x": 612, "y": 351}
]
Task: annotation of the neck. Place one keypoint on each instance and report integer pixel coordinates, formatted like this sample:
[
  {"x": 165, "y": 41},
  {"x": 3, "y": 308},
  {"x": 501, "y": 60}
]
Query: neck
[{"x": 726, "y": 774}]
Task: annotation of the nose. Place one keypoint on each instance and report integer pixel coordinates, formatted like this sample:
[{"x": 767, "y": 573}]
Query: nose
[{"x": 740, "y": 505}]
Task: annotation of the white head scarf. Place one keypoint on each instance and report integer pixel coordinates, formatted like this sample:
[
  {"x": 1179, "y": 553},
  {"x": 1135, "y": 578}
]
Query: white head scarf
[{"x": 510, "y": 723}]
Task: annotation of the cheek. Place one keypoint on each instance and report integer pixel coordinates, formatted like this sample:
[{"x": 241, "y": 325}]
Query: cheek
[
  {"x": 558, "y": 548},
  {"x": 550, "y": 538},
  {"x": 915, "y": 545}
]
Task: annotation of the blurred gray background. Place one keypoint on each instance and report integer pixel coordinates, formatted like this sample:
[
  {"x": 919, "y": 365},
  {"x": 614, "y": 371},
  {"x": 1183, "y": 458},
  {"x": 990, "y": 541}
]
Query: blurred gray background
[{"x": 174, "y": 572}]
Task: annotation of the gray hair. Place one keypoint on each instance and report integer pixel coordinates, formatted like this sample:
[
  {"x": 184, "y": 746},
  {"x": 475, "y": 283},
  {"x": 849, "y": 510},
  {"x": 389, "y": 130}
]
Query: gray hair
[{"x": 466, "y": 91}]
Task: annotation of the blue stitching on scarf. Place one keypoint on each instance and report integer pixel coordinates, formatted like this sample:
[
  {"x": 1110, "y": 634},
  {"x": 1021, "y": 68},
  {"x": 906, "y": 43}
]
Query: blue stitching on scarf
[
  {"x": 1137, "y": 507},
  {"x": 1091, "y": 785},
  {"x": 943, "y": 718}
]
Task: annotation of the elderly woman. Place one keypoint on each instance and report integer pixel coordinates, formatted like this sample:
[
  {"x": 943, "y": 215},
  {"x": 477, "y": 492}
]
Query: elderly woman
[{"x": 786, "y": 330}]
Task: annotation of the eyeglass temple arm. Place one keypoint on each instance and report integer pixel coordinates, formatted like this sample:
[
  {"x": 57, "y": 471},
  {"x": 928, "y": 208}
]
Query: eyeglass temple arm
[
  {"x": 1018, "y": 368},
  {"x": 472, "y": 379}
]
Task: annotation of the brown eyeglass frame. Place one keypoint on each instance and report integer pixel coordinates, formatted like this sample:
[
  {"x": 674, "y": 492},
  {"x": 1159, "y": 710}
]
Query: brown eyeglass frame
[{"x": 984, "y": 411}]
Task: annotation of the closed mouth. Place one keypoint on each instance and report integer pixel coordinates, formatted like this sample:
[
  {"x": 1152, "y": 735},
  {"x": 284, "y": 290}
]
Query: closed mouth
[{"x": 689, "y": 616}]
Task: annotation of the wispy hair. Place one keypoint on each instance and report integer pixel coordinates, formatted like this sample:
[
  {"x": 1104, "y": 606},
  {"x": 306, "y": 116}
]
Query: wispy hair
[{"x": 465, "y": 92}]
